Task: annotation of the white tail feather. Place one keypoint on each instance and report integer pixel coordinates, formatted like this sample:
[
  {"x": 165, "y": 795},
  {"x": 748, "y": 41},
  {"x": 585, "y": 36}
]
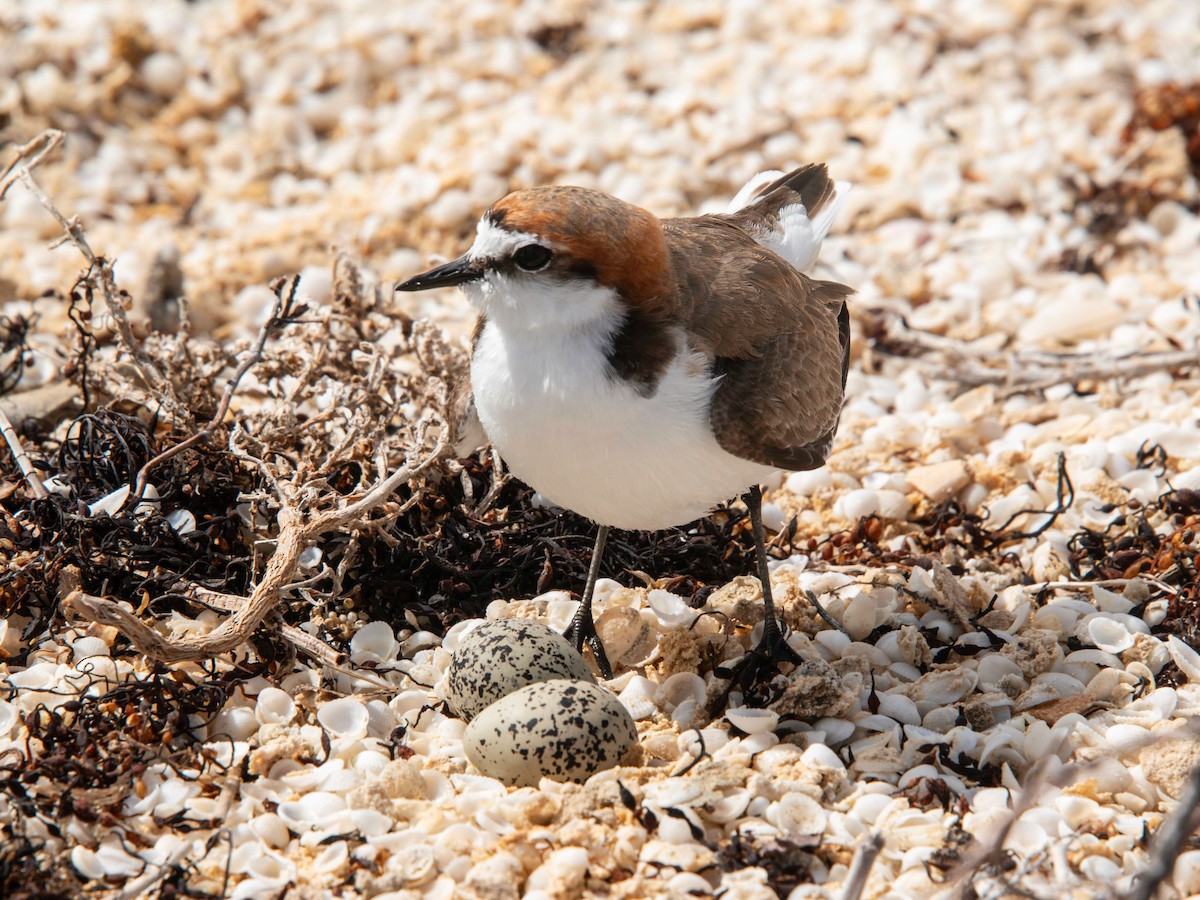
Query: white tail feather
[
  {"x": 749, "y": 192},
  {"x": 799, "y": 236},
  {"x": 796, "y": 237}
]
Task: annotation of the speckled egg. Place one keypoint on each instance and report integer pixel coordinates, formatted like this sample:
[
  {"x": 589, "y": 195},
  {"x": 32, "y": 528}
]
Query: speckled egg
[
  {"x": 503, "y": 655},
  {"x": 563, "y": 730}
]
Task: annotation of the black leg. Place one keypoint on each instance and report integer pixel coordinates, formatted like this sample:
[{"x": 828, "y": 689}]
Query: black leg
[
  {"x": 583, "y": 627},
  {"x": 753, "y": 500},
  {"x": 763, "y": 661}
]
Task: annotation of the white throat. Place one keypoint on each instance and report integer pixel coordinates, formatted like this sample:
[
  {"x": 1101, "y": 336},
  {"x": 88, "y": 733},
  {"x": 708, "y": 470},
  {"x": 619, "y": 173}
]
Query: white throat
[
  {"x": 535, "y": 301},
  {"x": 525, "y": 302}
]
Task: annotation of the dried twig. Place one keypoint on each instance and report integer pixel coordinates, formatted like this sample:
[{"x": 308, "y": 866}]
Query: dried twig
[
  {"x": 824, "y": 613},
  {"x": 993, "y": 852},
  {"x": 313, "y": 646},
  {"x": 1038, "y": 586},
  {"x": 100, "y": 270},
  {"x": 22, "y": 458},
  {"x": 1028, "y": 370},
  {"x": 33, "y": 154},
  {"x": 1169, "y": 840},
  {"x": 500, "y": 478},
  {"x": 156, "y": 872},
  {"x": 860, "y": 866},
  {"x": 298, "y": 638},
  {"x": 281, "y": 314}
]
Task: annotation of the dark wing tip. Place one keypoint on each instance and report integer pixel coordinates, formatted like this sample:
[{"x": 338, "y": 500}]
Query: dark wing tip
[
  {"x": 800, "y": 459},
  {"x": 844, "y": 337},
  {"x": 811, "y": 182}
]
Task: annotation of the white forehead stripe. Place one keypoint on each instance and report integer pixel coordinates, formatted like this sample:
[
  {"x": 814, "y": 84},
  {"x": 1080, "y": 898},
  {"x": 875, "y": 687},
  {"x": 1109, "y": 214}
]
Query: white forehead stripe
[{"x": 494, "y": 242}]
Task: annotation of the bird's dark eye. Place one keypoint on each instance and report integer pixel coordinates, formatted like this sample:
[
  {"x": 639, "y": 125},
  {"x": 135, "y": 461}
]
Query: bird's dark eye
[{"x": 532, "y": 257}]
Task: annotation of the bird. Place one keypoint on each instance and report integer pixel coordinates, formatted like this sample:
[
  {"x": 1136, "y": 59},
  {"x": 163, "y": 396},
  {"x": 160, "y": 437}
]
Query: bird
[{"x": 641, "y": 371}]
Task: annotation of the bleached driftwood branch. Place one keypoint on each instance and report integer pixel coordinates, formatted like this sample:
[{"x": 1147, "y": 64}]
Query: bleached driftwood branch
[
  {"x": 1169, "y": 841},
  {"x": 1027, "y": 370},
  {"x": 295, "y": 534}
]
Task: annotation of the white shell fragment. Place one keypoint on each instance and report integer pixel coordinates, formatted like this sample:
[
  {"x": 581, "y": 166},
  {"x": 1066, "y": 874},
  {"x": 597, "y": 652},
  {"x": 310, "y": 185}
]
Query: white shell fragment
[
  {"x": 563, "y": 730},
  {"x": 56, "y": 484},
  {"x": 87, "y": 647},
  {"x": 671, "y": 609},
  {"x": 150, "y": 501},
  {"x": 1109, "y": 635},
  {"x": 1185, "y": 657},
  {"x": 374, "y": 642},
  {"x": 752, "y": 721},
  {"x": 274, "y": 707},
  {"x": 345, "y": 718},
  {"x": 110, "y": 504},
  {"x": 181, "y": 520},
  {"x": 500, "y": 656}
]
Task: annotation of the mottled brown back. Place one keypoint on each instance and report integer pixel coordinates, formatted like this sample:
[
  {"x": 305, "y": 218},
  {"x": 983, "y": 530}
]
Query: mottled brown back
[{"x": 779, "y": 340}]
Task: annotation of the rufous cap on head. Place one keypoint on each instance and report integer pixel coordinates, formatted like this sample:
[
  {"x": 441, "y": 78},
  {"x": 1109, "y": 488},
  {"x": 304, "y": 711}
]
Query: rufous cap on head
[{"x": 618, "y": 244}]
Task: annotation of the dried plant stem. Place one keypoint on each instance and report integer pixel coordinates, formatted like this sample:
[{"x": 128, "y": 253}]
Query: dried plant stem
[
  {"x": 1039, "y": 586},
  {"x": 22, "y": 458},
  {"x": 860, "y": 866},
  {"x": 313, "y": 646},
  {"x": 500, "y": 478},
  {"x": 295, "y": 534},
  {"x": 284, "y": 299},
  {"x": 100, "y": 270},
  {"x": 154, "y": 873},
  {"x": 298, "y": 638},
  {"x": 824, "y": 613},
  {"x": 1169, "y": 840},
  {"x": 1029, "y": 370},
  {"x": 992, "y": 853},
  {"x": 33, "y": 154}
]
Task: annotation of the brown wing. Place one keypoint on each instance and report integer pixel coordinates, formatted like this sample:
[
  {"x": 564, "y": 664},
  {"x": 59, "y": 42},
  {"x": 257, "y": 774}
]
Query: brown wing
[
  {"x": 781, "y": 345},
  {"x": 782, "y": 408}
]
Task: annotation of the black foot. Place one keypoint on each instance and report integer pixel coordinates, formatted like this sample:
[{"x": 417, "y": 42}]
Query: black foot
[
  {"x": 760, "y": 665},
  {"x": 583, "y": 631}
]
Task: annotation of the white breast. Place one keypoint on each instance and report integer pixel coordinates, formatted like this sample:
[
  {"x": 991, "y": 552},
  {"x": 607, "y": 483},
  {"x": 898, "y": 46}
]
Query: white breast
[{"x": 587, "y": 441}]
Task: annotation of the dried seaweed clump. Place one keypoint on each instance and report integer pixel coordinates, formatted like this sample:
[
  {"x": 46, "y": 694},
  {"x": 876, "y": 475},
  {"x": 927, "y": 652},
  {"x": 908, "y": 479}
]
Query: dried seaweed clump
[
  {"x": 1169, "y": 105},
  {"x": 94, "y": 752}
]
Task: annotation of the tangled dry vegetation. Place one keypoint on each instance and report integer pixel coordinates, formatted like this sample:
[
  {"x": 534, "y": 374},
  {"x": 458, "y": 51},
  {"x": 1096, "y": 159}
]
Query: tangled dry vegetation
[
  {"x": 339, "y": 429},
  {"x": 311, "y": 491},
  {"x": 338, "y": 420}
]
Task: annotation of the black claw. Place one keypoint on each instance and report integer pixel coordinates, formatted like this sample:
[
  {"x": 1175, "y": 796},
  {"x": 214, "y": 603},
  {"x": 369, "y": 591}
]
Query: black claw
[
  {"x": 760, "y": 665},
  {"x": 583, "y": 632}
]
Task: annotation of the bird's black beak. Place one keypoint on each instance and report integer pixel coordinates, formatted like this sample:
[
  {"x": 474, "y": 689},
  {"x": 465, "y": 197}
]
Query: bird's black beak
[{"x": 460, "y": 271}]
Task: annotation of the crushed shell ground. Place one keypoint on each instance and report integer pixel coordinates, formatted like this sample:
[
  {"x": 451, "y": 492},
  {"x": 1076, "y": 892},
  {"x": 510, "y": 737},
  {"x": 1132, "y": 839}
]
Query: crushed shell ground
[{"x": 1025, "y": 202}]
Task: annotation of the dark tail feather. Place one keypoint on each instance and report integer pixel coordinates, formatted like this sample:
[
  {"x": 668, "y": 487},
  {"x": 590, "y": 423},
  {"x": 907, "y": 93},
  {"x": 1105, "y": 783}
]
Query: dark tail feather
[{"x": 810, "y": 185}]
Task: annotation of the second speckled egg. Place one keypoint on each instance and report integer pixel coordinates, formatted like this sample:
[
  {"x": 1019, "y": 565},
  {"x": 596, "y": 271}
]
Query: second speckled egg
[{"x": 562, "y": 730}]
